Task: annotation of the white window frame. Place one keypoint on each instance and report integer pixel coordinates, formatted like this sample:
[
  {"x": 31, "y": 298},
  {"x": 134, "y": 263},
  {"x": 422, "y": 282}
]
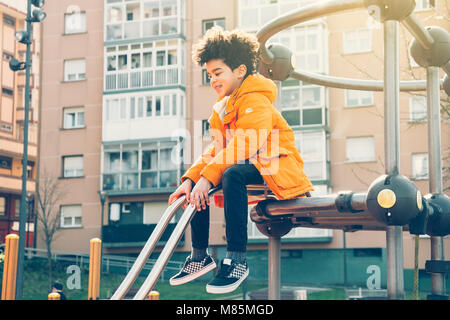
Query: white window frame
[
  {"x": 2, "y": 206},
  {"x": 301, "y": 88},
  {"x": 418, "y": 109},
  {"x": 74, "y": 70},
  {"x": 74, "y": 169},
  {"x": 356, "y": 151},
  {"x": 423, "y": 5},
  {"x": 356, "y": 35},
  {"x": 159, "y": 167},
  {"x": 75, "y": 22},
  {"x": 263, "y": 10},
  {"x": 221, "y": 22},
  {"x": 318, "y": 157},
  {"x": 78, "y": 118},
  {"x": 140, "y": 22},
  {"x": 419, "y": 160},
  {"x": 71, "y": 216},
  {"x": 359, "y": 96},
  {"x": 120, "y": 108},
  {"x": 304, "y": 51},
  {"x": 150, "y": 74}
]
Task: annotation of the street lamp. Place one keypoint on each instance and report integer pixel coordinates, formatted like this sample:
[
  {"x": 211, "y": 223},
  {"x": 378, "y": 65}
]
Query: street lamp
[
  {"x": 102, "y": 195},
  {"x": 25, "y": 37},
  {"x": 16, "y": 65}
]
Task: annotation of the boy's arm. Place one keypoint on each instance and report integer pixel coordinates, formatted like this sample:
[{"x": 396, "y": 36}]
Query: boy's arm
[
  {"x": 193, "y": 172},
  {"x": 254, "y": 125}
]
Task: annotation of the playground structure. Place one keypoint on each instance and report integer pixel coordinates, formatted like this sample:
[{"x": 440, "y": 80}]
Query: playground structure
[{"x": 392, "y": 203}]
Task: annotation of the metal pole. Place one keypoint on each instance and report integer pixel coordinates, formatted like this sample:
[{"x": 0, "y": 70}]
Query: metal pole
[
  {"x": 435, "y": 166},
  {"x": 147, "y": 250},
  {"x": 165, "y": 254},
  {"x": 394, "y": 234},
  {"x": 23, "y": 199},
  {"x": 274, "y": 268}
]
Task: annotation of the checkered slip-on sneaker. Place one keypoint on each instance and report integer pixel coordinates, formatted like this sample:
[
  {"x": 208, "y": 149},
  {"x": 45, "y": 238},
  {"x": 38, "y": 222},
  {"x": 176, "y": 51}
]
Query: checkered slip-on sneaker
[
  {"x": 229, "y": 277},
  {"x": 193, "y": 270}
]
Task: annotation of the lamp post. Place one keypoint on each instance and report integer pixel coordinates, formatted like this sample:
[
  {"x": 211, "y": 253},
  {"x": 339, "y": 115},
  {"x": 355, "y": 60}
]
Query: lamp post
[
  {"x": 102, "y": 195},
  {"x": 25, "y": 37}
]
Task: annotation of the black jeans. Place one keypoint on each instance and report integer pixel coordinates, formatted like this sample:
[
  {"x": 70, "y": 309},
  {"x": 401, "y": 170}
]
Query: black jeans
[{"x": 234, "y": 185}]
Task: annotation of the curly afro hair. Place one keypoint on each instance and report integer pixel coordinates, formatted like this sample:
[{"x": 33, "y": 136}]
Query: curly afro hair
[{"x": 233, "y": 47}]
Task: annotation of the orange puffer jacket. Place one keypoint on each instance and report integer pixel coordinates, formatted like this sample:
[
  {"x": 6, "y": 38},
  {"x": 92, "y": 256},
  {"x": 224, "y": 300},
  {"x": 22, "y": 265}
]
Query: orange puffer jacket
[{"x": 246, "y": 125}]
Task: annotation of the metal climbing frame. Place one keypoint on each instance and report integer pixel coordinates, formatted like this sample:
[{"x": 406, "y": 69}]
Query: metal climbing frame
[
  {"x": 390, "y": 13},
  {"x": 346, "y": 211}
]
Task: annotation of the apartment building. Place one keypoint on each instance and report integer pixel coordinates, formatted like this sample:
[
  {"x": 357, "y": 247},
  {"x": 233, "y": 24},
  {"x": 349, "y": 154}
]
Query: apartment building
[
  {"x": 124, "y": 113},
  {"x": 12, "y": 105}
]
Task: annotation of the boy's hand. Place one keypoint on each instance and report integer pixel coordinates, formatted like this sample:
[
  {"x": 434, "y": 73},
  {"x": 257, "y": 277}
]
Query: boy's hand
[
  {"x": 199, "y": 195},
  {"x": 184, "y": 188}
]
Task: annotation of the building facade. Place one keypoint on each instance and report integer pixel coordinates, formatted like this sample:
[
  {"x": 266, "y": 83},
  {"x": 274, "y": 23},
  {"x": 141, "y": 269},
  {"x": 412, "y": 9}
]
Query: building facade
[
  {"x": 124, "y": 113},
  {"x": 12, "y": 105}
]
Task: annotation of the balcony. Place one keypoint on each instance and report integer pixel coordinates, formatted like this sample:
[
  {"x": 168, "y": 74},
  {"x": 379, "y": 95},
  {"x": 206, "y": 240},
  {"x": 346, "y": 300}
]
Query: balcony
[
  {"x": 139, "y": 182},
  {"x": 153, "y": 78},
  {"x": 134, "y": 234}
]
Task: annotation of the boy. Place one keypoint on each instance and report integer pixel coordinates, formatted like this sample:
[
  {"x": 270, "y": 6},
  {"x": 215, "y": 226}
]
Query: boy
[{"x": 252, "y": 144}]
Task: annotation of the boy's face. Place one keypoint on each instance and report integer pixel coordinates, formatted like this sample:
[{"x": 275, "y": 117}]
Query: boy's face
[{"x": 223, "y": 79}]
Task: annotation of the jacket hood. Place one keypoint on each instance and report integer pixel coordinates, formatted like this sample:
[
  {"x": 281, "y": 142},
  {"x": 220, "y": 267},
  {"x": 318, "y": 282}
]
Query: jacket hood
[{"x": 257, "y": 83}]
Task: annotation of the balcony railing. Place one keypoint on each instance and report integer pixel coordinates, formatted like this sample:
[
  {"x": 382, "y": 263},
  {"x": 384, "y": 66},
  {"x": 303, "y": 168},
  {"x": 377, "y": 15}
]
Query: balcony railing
[
  {"x": 144, "y": 79},
  {"x": 135, "y": 233}
]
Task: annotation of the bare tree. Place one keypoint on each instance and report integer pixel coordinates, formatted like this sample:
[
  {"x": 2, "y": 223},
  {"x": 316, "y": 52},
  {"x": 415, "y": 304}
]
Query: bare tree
[{"x": 48, "y": 194}]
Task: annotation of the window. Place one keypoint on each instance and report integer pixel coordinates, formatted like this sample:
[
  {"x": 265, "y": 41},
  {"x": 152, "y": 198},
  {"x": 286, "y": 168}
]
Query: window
[
  {"x": 418, "y": 108},
  {"x": 255, "y": 13},
  {"x": 72, "y": 166},
  {"x": 139, "y": 107},
  {"x": 422, "y": 5},
  {"x": 7, "y": 56},
  {"x": 75, "y": 22},
  {"x": 205, "y": 128},
  {"x": 140, "y": 166},
  {"x": 71, "y": 216},
  {"x": 115, "y": 109},
  {"x": 133, "y": 65},
  {"x": 73, "y": 118},
  {"x": 208, "y": 24},
  {"x": 153, "y": 17},
  {"x": 307, "y": 46},
  {"x": 5, "y": 162},
  {"x": 357, "y": 41},
  {"x": 74, "y": 70},
  {"x": 358, "y": 98},
  {"x": 302, "y": 104},
  {"x": 312, "y": 147},
  {"x": 420, "y": 166},
  {"x": 205, "y": 79},
  {"x": 7, "y": 92},
  {"x": 11, "y": 21},
  {"x": 2, "y": 206},
  {"x": 360, "y": 149}
]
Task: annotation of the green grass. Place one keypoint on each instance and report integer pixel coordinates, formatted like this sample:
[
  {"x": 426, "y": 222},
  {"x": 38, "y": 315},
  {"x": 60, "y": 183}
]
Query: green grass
[{"x": 36, "y": 286}]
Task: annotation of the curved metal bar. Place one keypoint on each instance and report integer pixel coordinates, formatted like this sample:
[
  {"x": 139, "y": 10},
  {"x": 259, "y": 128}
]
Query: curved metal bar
[
  {"x": 356, "y": 84},
  {"x": 147, "y": 250},
  {"x": 412, "y": 24},
  {"x": 313, "y": 11}
]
